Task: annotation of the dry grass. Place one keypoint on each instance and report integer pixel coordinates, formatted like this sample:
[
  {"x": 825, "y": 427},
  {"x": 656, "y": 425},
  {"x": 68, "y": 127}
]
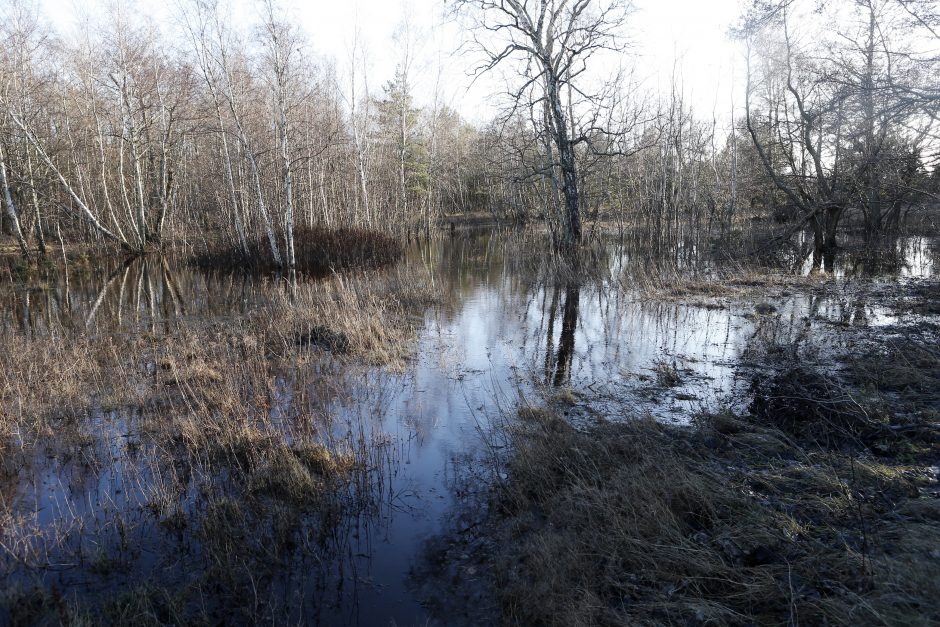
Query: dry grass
[
  {"x": 729, "y": 523},
  {"x": 219, "y": 433},
  {"x": 732, "y": 284},
  {"x": 667, "y": 374},
  {"x": 47, "y": 380}
]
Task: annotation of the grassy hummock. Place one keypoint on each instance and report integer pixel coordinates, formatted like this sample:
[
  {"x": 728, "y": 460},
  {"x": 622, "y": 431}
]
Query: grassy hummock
[
  {"x": 730, "y": 522},
  {"x": 815, "y": 504}
]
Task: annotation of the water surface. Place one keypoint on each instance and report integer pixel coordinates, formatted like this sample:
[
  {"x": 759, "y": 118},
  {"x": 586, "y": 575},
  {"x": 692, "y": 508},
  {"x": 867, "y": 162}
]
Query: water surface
[{"x": 499, "y": 333}]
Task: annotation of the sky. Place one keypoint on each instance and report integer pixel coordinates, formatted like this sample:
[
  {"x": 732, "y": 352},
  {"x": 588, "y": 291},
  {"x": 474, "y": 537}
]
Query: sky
[{"x": 688, "y": 37}]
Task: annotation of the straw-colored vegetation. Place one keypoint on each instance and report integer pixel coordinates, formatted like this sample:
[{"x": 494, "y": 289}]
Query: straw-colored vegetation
[
  {"x": 219, "y": 432},
  {"x": 728, "y": 524},
  {"x": 815, "y": 507}
]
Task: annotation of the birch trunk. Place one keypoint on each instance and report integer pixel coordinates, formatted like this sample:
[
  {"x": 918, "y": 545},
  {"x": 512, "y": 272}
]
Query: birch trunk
[
  {"x": 85, "y": 212},
  {"x": 40, "y": 236},
  {"x": 10, "y": 208}
]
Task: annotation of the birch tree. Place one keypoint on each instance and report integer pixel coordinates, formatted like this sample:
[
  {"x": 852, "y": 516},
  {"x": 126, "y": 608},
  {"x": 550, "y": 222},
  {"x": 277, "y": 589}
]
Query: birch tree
[{"x": 281, "y": 45}]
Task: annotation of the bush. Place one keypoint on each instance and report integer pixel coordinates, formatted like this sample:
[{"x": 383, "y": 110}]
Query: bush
[{"x": 318, "y": 251}]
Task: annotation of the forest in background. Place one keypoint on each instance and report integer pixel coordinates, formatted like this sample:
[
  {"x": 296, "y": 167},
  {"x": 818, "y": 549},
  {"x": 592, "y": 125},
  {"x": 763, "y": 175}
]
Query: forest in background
[
  {"x": 272, "y": 357},
  {"x": 239, "y": 134}
]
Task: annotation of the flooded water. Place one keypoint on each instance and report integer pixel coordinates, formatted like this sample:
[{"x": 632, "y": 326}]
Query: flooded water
[
  {"x": 905, "y": 257},
  {"x": 498, "y": 334}
]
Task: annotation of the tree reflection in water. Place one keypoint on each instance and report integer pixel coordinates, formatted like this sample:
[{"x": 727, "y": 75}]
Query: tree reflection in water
[{"x": 558, "y": 363}]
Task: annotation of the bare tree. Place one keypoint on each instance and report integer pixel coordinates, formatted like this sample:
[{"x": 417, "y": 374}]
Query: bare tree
[
  {"x": 552, "y": 42},
  {"x": 281, "y": 46},
  {"x": 358, "y": 123},
  {"x": 198, "y": 19},
  {"x": 832, "y": 130}
]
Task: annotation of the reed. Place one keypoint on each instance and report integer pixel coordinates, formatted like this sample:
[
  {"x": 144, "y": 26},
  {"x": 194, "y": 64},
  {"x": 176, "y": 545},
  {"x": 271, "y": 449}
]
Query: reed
[{"x": 214, "y": 448}]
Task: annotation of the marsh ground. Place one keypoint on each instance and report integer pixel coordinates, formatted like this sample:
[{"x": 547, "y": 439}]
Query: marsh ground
[{"x": 181, "y": 445}]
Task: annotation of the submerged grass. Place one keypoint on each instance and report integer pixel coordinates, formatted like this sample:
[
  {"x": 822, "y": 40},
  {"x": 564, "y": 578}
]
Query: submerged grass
[{"x": 213, "y": 449}]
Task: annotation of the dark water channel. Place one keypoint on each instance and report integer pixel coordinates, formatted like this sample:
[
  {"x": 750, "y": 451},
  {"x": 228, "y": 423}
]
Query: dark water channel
[{"x": 498, "y": 335}]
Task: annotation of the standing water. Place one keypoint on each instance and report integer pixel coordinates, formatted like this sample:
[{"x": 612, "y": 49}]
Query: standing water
[{"x": 497, "y": 334}]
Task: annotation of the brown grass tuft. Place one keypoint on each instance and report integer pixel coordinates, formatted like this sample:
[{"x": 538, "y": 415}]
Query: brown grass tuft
[{"x": 730, "y": 522}]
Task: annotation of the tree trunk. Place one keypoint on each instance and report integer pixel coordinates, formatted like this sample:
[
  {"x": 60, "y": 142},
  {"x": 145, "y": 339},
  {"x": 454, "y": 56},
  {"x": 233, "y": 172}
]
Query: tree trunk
[
  {"x": 40, "y": 236},
  {"x": 265, "y": 216},
  {"x": 832, "y": 224},
  {"x": 819, "y": 242},
  {"x": 10, "y": 208},
  {"x": 569, "y": 171},
  {"x": 140, "y": 199}
]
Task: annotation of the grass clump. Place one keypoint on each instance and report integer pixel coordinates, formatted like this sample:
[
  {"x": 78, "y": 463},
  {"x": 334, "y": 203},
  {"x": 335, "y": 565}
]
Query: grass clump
[
  {"x": 617, "y": 525},
  {"x": 667, "y": 374},
  {"x": 298, "y": 474},
  {"x": 643, "y": 523}
]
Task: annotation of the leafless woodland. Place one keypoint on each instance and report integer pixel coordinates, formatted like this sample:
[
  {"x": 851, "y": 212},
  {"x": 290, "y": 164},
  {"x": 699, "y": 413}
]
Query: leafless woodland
[
  {"x": 227, "y": 132},
  {"x": 653, "y": 394}
]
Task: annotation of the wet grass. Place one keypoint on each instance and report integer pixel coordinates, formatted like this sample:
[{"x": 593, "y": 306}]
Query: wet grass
[
  {"x": 729, "y": 523},
  {"x": 210, "y": 454},
  {"x": 817, "y": 504}
]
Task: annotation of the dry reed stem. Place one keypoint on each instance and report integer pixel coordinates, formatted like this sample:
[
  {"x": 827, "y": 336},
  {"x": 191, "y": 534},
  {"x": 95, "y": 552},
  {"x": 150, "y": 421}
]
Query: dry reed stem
[{"x": 219, "y": 429}]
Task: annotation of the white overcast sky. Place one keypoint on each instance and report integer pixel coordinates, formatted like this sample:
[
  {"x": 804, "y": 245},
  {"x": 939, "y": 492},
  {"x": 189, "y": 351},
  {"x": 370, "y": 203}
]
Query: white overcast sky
[{"x": 692, "y": 32}]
